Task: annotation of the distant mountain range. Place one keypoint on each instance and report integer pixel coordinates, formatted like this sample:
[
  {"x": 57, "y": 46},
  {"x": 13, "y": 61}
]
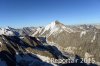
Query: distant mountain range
[{"x": 36, "y": 46}]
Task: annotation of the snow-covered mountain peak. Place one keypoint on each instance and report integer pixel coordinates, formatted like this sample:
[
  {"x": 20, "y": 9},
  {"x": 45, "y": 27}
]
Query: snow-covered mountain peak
[
  {"x": 56, "y": 27},
  {"x": 57, "y": 22},
  {"x": 53, "y": 25}
]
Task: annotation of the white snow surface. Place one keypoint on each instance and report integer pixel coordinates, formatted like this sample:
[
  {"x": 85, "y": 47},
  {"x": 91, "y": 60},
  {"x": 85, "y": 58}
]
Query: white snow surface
[
  {"x": 43, "y": 58},
  {"x": 0, "y": 44},
  {"x": 94, "y": 37},
  {"x": 52, "y": 27},
  {"x": 82, "y": 33},
  {"x": 4, "y": 31},
  {"x": 57, "y": 28},
  {"x": 39, "y": 30}
]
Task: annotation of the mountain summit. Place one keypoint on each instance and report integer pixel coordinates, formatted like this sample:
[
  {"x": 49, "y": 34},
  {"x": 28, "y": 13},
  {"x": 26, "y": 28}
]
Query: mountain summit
[
  {"x": 55, "y": 28},
  {"x": 53, "y": 25},
  {"x": 56, "y": 22}
]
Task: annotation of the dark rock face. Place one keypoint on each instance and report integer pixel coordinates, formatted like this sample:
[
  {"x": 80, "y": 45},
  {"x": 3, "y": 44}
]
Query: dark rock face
[{"x": 13, "y": 51}]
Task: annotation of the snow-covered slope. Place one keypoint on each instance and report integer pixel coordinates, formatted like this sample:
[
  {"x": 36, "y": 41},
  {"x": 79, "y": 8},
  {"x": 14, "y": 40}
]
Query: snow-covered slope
[
  {"x": 9, "y": 31},
  {"x": 38, "y": 31},
  {"x": 55, "y": 28},
  {"x": 6, "y": 31}
]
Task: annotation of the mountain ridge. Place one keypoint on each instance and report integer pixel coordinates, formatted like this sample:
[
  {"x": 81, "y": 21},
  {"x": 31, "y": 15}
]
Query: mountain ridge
[{"x": 56, "y": 40}]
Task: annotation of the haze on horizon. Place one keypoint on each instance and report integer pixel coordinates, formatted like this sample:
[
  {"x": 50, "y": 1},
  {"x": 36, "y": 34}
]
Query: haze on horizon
[{"x": 22, "y": 13}]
